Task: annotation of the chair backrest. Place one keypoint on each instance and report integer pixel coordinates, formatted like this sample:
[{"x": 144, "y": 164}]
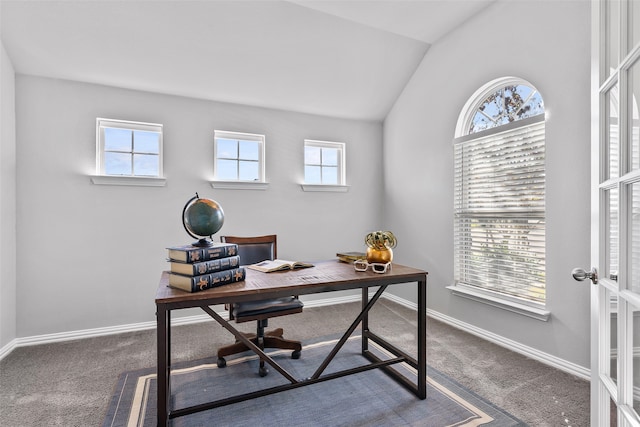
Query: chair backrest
[{"x": 254, "y": 249}]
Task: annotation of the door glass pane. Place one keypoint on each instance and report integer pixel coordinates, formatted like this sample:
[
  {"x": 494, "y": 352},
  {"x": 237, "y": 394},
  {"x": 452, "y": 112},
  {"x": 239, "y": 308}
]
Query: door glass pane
[
  {"x": 636, "y": 357},
  {"x": 613, "y": 224},
  {"x": 613, "y": 342},
  {"x": 632, "y": 114},
  {"x": 612, "y": 33},
  {"x": 634, "y": 262},
  {"x": 612, "y": 129}
]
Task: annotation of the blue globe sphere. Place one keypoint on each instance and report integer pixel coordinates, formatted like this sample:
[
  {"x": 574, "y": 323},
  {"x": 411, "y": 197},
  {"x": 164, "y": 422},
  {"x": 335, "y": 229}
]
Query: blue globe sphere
[{"x": 202, "y": 218}]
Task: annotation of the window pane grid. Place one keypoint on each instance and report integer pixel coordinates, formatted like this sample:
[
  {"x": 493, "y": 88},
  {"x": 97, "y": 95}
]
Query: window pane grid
[
  {"x": 323, "y": 162},
  {"x": 129, "y": 148},
  {"x": 238, "y": 157},
  {"x": 499, "y": 231}
]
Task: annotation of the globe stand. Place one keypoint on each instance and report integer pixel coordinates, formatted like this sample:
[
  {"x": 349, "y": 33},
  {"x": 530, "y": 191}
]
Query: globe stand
[{"x": 205, "y": 242}]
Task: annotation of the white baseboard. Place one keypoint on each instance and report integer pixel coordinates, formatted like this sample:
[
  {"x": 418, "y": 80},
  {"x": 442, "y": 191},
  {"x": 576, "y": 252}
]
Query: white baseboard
[
  {"x": 4, "y": 351},
  {"x": 545, "y": 358},
  {"x": 401, "y": 301},
  {"x": 133, "y": 327}
]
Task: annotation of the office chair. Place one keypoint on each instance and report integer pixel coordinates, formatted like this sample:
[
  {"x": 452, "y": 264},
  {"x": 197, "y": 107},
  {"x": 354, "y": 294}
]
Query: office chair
[{"x": 253, "y": 250}]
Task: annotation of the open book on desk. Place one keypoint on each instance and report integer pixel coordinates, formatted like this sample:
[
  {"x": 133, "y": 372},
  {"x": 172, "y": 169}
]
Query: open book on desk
[{"x": 277, "y": 265}]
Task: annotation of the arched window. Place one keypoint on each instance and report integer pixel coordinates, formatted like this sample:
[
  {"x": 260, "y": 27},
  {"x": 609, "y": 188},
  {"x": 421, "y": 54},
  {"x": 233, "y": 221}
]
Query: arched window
[{"x": 499, "y": 198}]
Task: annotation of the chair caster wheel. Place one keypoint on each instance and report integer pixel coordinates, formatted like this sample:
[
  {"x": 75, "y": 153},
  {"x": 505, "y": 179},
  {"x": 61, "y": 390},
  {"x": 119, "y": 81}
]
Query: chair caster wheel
[
  {"x": 295, "y": 354},
  {"x": 263, "y": 371},
  {"x": 221, "y": 362}
]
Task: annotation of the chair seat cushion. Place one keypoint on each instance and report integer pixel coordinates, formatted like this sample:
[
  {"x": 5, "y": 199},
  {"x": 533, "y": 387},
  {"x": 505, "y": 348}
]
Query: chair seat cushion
[{"x": 253, "y": 308}]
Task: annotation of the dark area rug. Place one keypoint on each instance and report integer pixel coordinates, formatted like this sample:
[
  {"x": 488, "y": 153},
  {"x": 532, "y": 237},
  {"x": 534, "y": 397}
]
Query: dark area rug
[{"x": 364, "y": 399}]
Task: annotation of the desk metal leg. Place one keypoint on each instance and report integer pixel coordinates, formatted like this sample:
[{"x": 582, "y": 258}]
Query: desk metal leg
[
  {"x": 163, "y": 335},
  {"x": 365, "y": 320},
  {"x": 419, "y": 388},
  {"x": 422, "y": 339}
]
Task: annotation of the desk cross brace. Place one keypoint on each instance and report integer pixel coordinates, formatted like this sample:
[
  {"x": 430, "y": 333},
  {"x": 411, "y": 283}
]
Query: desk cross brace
[
  {"x": 242, "y": 338},
  {"x": 347, "y": 334},
  {"x": 316, "y": 377},
  {"x": 265, "y": 392}
]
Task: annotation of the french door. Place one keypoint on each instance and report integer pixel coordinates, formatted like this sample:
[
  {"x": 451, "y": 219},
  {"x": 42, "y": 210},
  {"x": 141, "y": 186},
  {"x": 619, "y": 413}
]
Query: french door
[{"x": 615, "y": 207}]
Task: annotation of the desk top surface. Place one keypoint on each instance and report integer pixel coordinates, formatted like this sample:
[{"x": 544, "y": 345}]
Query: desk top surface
[{"x": 325, "y": 276}]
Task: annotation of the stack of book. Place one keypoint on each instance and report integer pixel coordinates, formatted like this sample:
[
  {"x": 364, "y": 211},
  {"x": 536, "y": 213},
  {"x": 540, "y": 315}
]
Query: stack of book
[{"x": 195, "y": 269}]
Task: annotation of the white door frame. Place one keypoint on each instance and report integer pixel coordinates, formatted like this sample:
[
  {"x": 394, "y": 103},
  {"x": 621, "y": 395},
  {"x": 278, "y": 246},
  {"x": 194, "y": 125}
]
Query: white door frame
[{"x": 613, "y": 300}]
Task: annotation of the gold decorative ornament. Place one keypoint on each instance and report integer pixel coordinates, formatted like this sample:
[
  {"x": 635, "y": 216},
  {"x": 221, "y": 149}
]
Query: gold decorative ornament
[{"x": 380, "y": 246}]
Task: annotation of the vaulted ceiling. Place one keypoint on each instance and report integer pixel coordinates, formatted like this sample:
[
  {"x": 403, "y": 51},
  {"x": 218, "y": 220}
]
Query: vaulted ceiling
[{"x": 348, "y": 58}]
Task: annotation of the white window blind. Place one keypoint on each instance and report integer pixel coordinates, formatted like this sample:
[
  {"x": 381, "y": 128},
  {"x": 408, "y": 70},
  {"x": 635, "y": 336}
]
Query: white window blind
[{"x": 499, "y": 229}]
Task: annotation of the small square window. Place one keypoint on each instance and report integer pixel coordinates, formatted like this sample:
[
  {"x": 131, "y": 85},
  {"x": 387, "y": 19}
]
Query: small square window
[
  {"x": 324, "y": 162},
  {"x": 130, "y": 149},
  {"x": 238, "y": 157}
]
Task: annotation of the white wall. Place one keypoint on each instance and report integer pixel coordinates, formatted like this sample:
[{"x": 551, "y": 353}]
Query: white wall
[
  {"x": 7, "y": 201},
  {"x": 546, "y": 43},
  {"x": 90, "y": 256}
]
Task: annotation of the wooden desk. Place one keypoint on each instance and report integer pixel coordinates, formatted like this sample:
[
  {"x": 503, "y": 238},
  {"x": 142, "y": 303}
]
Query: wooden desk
[{"x": 326, "y": 276}]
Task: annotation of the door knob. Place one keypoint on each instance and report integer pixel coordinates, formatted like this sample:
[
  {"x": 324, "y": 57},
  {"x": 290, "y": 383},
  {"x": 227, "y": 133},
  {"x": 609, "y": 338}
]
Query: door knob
[{"x": 580, "y": 274}]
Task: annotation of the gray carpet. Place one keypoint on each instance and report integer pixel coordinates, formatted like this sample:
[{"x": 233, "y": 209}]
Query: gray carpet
[
  {"x": 71, "y": 383},
  {"x": 363, "y": 399}
]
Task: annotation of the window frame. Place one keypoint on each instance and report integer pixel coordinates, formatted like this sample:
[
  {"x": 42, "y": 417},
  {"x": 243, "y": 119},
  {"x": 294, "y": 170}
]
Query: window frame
[
  {"x": 101, "y": 178},
  {"x": 341, "y": 185},
  {"x": 531, "y": 308},
  {"x": 261, "y": 182}
]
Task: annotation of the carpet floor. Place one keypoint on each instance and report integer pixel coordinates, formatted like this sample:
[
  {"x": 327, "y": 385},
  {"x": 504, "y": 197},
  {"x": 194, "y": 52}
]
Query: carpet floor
[
  {"x": 363, "y": 399},
  {"x": 71, "y": 383}
]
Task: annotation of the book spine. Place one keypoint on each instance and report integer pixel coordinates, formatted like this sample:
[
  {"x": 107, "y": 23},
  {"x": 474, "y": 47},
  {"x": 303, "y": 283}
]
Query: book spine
[
  {"x": 211, "y": 266},
  {"x": 207, "y": 281},
  {"x": 192, "y": 255}
]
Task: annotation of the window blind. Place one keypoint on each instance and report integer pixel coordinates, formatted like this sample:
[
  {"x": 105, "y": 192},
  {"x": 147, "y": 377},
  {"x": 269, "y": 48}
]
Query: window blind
[{"x": 499, "y": 211}]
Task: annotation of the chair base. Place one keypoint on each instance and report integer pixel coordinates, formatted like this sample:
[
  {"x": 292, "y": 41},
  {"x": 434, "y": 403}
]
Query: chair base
[{"x": 271, "y": 339}]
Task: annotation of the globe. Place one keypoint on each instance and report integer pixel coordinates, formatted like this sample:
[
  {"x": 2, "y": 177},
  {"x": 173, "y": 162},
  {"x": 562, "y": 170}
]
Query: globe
[{"x": 202, "y": 218}]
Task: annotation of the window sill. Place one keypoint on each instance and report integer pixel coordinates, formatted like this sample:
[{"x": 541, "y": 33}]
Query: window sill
[
  {"x": 140, "y": 181},
  {"x": 325, "y": 188},
  {"x": 240, "y": 185},
  {"x": 485, "y": 298}
]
